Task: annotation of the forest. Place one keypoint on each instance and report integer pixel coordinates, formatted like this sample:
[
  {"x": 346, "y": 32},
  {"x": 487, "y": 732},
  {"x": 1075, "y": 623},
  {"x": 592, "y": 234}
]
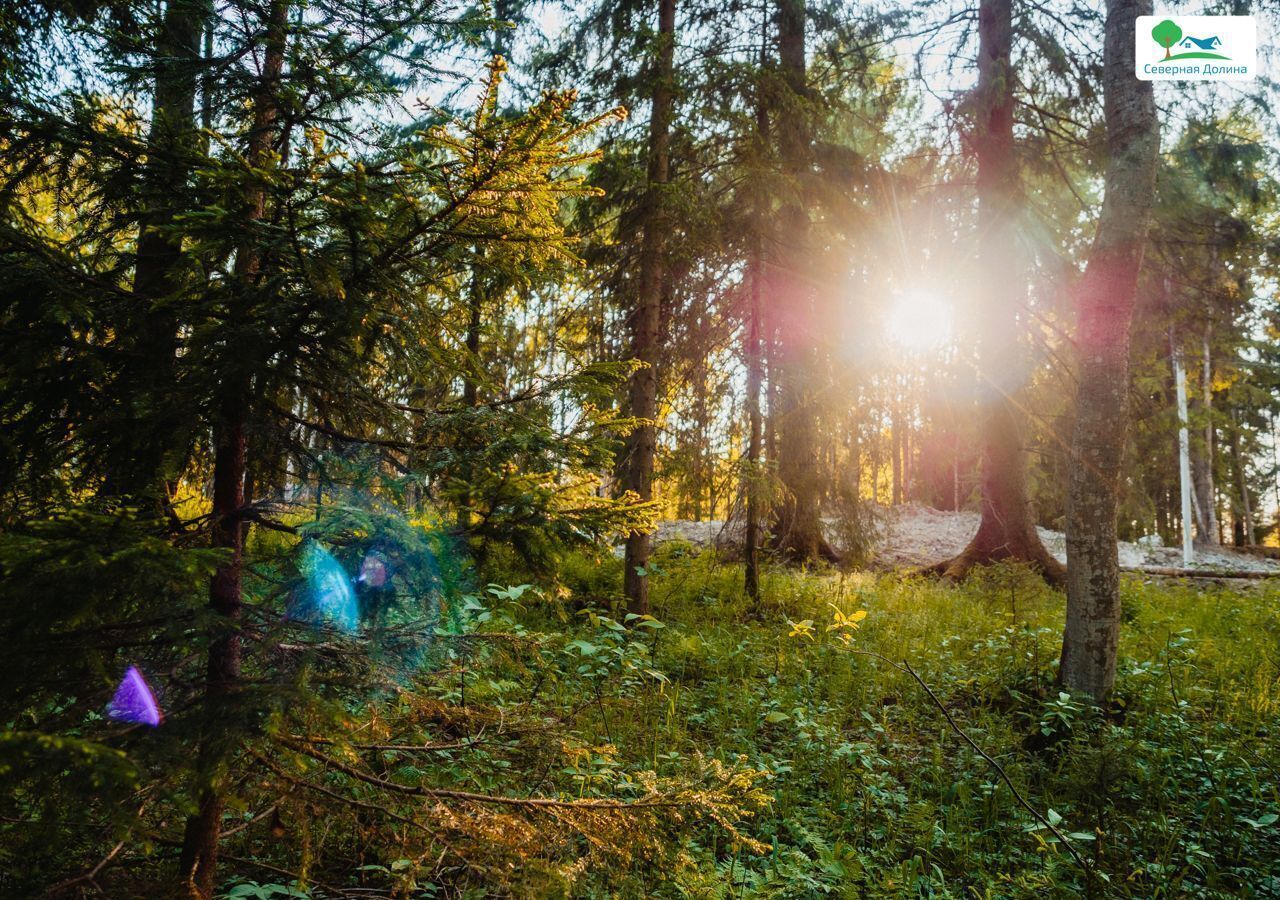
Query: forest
[{"x": 689, "y": 449}]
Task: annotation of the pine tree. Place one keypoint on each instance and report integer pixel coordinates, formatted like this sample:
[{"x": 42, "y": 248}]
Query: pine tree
[
  {"x": 299, "y": 294},
  {"x": 1007, "y": 529},
  {"x": 646, "y": 319},
  {"x": 798, "y": 524}
]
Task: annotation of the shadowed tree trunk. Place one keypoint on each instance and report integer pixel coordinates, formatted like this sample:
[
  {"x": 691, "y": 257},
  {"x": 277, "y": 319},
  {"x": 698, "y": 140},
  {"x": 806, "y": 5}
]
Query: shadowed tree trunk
[
  {"x": 1106, "y": 298},
  {"x": 797, "y": 527},
  {"x": 471, "y": 374},
  {"x": 1007, "y": 530},
  {"x": 137, "y": 463},
  {"x": 753, "y": 352},
  {"x": 199, "y": 858},
  {"x": 755, "y": 376},
  {"x": 1245, "y": 535},
  {"x": 646, "y": 318}
]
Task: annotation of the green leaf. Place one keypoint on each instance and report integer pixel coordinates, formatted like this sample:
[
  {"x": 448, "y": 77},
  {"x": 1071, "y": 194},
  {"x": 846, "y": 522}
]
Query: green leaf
[
  {"x": 586, "y": 648},
  {"x": 1262, "y": 821}
]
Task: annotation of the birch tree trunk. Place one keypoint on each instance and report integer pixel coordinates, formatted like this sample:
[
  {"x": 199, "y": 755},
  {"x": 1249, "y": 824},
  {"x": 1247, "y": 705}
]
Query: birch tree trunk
[{"x": 1106, "y": 298}]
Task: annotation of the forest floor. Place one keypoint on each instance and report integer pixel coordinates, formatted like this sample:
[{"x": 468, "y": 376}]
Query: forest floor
[
  {"x": 913, "y": 535},
  {"x": 1170, "y": 793}
]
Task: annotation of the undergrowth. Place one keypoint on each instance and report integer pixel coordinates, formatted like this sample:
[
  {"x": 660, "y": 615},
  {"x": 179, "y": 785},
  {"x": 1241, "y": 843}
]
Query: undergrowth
[
  {"x": 1172, "y": 791},
  {"x": 550, "y": 745}
]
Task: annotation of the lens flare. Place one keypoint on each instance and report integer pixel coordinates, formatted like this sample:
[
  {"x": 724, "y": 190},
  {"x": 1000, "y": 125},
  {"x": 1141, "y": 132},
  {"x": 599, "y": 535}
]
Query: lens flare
[
  {"x": 373, "y": 571},
  {"x": 326, "y": 596},
  {"x": 134, "y": 702},
  {"x": 919, "y": 322}
]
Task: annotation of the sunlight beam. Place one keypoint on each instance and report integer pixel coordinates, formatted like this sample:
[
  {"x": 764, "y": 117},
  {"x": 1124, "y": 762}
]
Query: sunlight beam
[{"x": 918, "y": 321}]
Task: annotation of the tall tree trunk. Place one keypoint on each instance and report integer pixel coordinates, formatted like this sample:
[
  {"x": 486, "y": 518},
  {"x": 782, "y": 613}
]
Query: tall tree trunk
[
  {"x": 1202, "y": 455},
  {"x": 755, "y": 424},
  {"x": 754, "y": 352},
  {"x": 907, "y": 469},
  {"x": 797, "y": 525},
  {"x": 138, "y": 464},
  {"x": 895, "y": 442},
  {"x": 646, "y": 318},
  {"x": 1275, "y": 459},
  {"x": 702, "y": 452},
  {"x": 471, "y": 377},
  {"x": 199, "y": 858},
  {"x": 1245, "y": 518},
  {"x": 1107, "y": 294},
  {"x": 1007, "y": 530},
  {"x": 955, "y": 471}
]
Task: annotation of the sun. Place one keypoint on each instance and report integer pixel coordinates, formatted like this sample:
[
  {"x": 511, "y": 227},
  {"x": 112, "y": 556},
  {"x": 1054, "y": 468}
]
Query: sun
[{"x": 918, "y": 321}]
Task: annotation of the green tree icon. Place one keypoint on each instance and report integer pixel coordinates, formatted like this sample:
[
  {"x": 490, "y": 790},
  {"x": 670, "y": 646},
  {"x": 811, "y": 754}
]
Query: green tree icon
[{"x": 1166, "y": 34}]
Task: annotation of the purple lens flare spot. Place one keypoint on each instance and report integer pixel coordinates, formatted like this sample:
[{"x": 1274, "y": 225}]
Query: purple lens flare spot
[
  {"x": 373, "y": 572},
  {"x": 134, "y": 701}
]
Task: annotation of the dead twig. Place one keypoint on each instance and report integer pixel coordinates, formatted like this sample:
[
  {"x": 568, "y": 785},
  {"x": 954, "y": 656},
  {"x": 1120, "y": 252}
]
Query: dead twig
[
  {"x": 471, "y": 797},
  {"x": 86, "y": 877}
]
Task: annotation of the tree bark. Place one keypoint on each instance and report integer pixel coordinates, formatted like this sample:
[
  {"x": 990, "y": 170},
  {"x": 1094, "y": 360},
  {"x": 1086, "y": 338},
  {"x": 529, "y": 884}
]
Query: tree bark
[
  {"x": 1202, "y": 455},
  {"x": 755, "y": 377},
  {"x": 138, "y": 464},
  {"x": 646, "y": 318},
  {"x": 1244, "y": 521},
  {"x": 797, "y": 527},
  {"x": 471, "y": 375},
  {"x": 908, "y": 471},
  {"x": 754, "y": 350},
  {"x": 199, "y": 857},
  {"x": 895, "y": 442},
  {"x": 1007, "y": 530},
  {"x": 1106, "y": 297}
]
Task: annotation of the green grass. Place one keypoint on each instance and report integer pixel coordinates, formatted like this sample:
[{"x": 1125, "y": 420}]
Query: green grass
[{"x": 1173, "y": 793}]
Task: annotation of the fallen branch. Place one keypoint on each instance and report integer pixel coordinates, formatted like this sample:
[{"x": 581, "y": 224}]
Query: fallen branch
[
  {"x": 469, "y": 796},
  {"x": 1176, "y": 572},
  {"x": 402, "y": 748}
]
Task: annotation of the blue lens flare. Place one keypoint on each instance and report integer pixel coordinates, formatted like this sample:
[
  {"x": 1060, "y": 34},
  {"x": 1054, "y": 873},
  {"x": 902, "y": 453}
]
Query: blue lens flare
[
  {"x": 326, "y": 596},
  {"x": 365, "y": 569},
  {"x": 134, "y": 701}
]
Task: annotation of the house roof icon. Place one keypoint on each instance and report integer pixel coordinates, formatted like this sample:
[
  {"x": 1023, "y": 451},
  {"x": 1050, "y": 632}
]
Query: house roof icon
[{"x": 1209, "y": 43}]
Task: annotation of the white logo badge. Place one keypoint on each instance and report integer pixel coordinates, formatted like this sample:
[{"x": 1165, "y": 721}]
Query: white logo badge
[{"x": 1196, "y": 48}]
